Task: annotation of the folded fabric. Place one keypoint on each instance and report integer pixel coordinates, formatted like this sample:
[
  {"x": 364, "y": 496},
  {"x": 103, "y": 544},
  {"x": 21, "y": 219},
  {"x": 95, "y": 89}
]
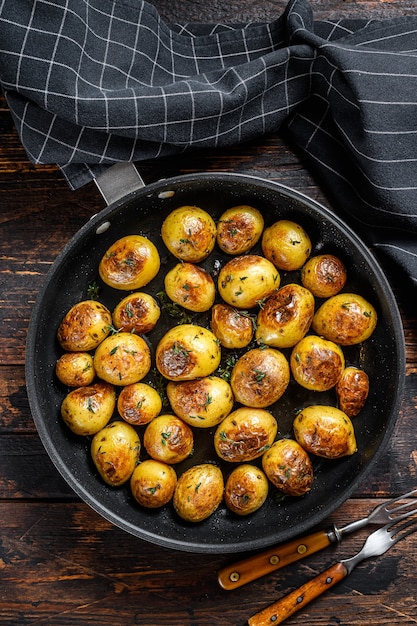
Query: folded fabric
[{"x": 93, "y": 82}]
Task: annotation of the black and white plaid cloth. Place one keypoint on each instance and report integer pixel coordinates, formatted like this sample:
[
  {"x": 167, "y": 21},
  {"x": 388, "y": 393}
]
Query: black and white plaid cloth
[{"x": 93, "y": 82}]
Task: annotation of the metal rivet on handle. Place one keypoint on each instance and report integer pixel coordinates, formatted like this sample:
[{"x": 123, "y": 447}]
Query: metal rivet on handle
[{"x": 234, "y": 577}]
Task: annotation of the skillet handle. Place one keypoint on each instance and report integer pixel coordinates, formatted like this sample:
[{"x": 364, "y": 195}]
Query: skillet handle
[
  {"x": 244, "y": 571},
  {"x": 118, "y": 181}
]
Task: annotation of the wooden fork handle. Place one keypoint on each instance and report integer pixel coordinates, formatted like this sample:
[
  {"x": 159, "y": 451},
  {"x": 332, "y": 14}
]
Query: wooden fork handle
[
  {"x": 253, "y": 567},
  {"x": 296, "y": 600}
]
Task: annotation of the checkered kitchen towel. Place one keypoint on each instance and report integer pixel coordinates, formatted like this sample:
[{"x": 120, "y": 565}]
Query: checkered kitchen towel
[{"x": 93, "y": 82}]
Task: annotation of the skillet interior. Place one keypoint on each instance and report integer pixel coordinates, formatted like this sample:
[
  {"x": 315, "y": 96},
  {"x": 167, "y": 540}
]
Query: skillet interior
[{"x": 383, "y": 357}]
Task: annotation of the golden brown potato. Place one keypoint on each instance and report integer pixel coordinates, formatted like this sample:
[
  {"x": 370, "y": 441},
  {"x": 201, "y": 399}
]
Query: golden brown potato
[
  {"x": 137, "y": 313},
  {"x": 352, "y": 390},
  {"x": 86, "y": 410},
  {"x": 239, "y": 229},
  {"x": 199, "y": 492},
  {"x": 122, "y": 359},
  {"x": 190, "y": 286},
  {"x": 324, "y": 275},
  {"x": 139, "y": 403},
  {"x": 285, "y": 317},
  {"x": 186, "y": 352},
  {"x": 168, "y": 439},
  {"x": 115, "y": 452},
  {"x": 246, "y": 489},
  {"x": 189, "y": 233},
  {"x": 233, "y": 328},
  {"x": 245, "y": 434},
  {"x": 325, "y": 431},
  {"x": 316, "y": 363},
  {"x": 75, "y": 369},
  {"x": 260, "y": 377},
  {"x": 153, "y": 483},
  {"x": 245, "y": 281},
  {"x": 130, "y": 263},
  {"x": 202, "y": 403},
  {"x": 288, "y": 467},
  {"x": 286, "y": 244},
  {"x": 85, "y": 325},
  {"x": 346, "y": 319}
]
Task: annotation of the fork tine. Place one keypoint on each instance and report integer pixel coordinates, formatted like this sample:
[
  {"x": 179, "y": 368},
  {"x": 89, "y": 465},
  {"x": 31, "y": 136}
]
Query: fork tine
[
  {"x": 397, "y": 533},
  {"x": 403, "y": 497},
  {"x": 398, "y": 518}
]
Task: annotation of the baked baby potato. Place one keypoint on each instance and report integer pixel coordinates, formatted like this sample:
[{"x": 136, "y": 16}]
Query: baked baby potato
[
  {"x": 129, "y": 263},
  {"x": 247, "y": 280},
  {"x": 285, "y": 317},
  {"x": 186, "y": 352},
  {"x": 189, "y": 233},
  {"x": 84, "y": 326},
  {"x": 346, "y": 319},
  {"x": 260, "y": 377},
  {"x": 245, "y": 434},
  {"x": 198, "y": 492},
  {"x": 239, "y": 229},
  {"x": 325, "y": 431}
]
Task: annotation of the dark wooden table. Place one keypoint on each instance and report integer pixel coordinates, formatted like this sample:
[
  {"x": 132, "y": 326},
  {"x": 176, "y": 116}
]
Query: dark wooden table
[{"x": 62, "y": 564}]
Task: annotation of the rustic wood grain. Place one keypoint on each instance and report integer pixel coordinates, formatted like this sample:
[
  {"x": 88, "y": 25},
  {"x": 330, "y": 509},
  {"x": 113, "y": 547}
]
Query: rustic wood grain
[{"x": 62, "y": 564}]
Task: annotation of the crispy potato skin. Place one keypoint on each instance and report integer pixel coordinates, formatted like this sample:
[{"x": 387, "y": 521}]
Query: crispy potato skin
[
  {"x": 245, "y": 434},
  {"x": 239, "y": 229},
  {"x": 129, "y": 263},
  {"x": 260, "y": 377},
  {"x": 202, "y": 403},
  {"x": 137, "y": 313},
  {"x": 286, "y": 244},
  {"x": 115, "y": 451},
  {"x": 190, "y": 286},
  {"x": 199, "y": 492},
  {"x": 84, "y": 326},
  {"x": 346, "y": 319},
  {"x": 189, "y": 233},
  {"x": 233, "y": 328},
  {"x": 86, "y": 410},
  {"x": 325, "y": 431},
  {"x": 187, "y": 352},
  {"x": 317, "y": 363},
  {"x": 246, "y": 489},
  {"x": 153, "y": 483},
  {"x": 288, "y": 467},
  {"x": 169, "y": 439},
  {"x": 352, "y": 390},
  {"x": 122, "y": 359},
  {"x": 246, "y": 280},
  {"x": 75, "y": 369},
  {"x": 324, "y": 275},
  {"x": 285, "y": 317},
  {"x": 139, "y": 403}
]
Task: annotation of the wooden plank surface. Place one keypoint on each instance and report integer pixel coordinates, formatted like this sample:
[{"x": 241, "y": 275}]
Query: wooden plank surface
[{"x": 60, "y": 562}]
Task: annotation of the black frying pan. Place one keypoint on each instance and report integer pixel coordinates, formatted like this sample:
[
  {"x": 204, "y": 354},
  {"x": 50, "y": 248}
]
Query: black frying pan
[{"x": 383, "y": 357}]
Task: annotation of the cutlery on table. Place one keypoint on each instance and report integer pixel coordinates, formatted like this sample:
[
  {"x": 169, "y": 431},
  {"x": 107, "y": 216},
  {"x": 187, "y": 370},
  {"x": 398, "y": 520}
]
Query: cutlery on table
[
  {"x": 253, "y": 567},
  {"x": 377, "y": 543}
]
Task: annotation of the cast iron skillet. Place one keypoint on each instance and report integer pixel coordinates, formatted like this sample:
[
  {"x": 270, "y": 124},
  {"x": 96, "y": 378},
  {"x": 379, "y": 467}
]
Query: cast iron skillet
[{"x": 383, "y": 357}]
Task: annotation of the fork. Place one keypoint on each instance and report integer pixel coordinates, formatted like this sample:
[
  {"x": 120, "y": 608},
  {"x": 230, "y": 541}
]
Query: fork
[
  {"x": 253, "y": 567},
  {"x": 377, "y": 543}
]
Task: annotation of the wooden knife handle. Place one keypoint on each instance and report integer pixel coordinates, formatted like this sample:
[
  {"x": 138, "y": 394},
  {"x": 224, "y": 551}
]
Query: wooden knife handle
[
  {"x": 253, "y": 567},
  {"x": 296, "y": 600}
]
